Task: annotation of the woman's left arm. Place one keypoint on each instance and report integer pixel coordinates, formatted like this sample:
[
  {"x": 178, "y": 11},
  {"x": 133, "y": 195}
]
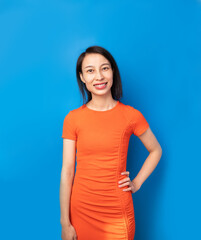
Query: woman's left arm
[{"x": 155, "y": 153}]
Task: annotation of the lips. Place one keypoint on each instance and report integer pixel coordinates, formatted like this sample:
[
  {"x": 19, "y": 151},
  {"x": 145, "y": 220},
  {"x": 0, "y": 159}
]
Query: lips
[{"x": 99, "y": 83}]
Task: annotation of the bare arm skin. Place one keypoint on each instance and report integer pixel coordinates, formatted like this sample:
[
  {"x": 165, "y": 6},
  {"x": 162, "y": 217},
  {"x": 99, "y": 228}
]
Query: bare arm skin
[
  {"x": 155, "y": 152},
  {"x": 67, "y": 175}
]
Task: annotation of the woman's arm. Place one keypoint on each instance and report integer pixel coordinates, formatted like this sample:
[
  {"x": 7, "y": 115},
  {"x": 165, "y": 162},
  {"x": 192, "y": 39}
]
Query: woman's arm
[
  {"x": 67, "y": 175},
  {"x": 155, "y": 152}
]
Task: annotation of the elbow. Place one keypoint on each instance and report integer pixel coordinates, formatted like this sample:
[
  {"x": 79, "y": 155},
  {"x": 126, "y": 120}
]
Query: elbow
[
  {"x": 67, "y": 174},
  {"x": 160, "y": 151}
]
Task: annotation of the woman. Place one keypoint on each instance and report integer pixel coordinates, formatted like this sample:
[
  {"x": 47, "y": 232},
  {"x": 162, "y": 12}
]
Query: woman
[{"x": 97, "y": 203}]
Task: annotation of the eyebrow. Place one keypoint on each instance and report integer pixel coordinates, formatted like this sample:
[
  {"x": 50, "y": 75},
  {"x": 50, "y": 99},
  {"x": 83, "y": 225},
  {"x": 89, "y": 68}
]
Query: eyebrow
[{"x": 101, "y": 65}]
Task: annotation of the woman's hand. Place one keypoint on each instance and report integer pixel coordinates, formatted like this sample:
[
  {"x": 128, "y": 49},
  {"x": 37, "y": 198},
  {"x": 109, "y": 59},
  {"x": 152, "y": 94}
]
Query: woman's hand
[
  {"x": 133, "y": 186},
  {"x": 68, "y": 233}
]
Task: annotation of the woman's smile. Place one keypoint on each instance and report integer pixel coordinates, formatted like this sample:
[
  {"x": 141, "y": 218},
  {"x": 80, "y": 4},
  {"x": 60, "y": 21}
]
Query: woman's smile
[{"x": 100, "y": 86}]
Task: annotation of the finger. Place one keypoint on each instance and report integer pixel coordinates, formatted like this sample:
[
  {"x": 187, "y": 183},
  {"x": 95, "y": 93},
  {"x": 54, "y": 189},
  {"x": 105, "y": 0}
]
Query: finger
[
  {"x": 127, "y": 189},
  {"x": 127, "y": 173},
  {"x": 124, "y": 184},
  {"x": 124, "y": 180}
]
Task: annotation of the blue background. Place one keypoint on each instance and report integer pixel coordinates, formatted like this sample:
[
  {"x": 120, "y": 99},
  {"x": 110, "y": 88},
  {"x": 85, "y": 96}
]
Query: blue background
[{"x": 156, "y": 45}]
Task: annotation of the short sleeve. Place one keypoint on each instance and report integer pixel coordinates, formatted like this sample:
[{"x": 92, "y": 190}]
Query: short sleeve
[
  {"x": 69, "y": 130},
  {"x": 140, "y": 124}
]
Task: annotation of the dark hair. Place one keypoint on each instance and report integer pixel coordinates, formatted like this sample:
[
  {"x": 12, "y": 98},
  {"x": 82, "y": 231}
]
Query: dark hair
[{"x": 116, "y": 89}]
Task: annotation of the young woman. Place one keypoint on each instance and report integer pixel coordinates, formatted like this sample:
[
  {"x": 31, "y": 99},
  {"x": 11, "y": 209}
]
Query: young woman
[{"x": 97, "y": 203}]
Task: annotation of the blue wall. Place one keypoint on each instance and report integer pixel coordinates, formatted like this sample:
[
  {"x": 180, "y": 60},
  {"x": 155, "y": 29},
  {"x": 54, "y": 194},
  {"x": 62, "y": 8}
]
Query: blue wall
[{"x": 157, "y": 47}]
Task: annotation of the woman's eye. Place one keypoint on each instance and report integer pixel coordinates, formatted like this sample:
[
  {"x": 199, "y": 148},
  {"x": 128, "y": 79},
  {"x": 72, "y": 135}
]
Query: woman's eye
[
  {"x": 89, "y": 70},
  {"x": 106, "y": 68}
]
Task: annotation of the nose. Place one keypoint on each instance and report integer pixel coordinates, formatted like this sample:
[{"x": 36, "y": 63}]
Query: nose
[{"x": 99, "y": 75}]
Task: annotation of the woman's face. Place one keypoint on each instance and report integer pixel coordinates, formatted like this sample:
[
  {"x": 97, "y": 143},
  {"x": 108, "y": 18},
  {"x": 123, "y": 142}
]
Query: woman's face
[{"x": 96, "y": 70}]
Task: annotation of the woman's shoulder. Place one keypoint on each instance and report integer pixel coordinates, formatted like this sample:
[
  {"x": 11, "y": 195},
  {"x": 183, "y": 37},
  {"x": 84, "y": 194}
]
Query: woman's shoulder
[
  {"x": 128, "y": 107},
  {"x": 75, "y": 113},
  {"x": 131, "y": 110}
]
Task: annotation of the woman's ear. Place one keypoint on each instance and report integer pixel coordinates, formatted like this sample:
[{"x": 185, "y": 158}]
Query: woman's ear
[{"x": 81, "y": 77}]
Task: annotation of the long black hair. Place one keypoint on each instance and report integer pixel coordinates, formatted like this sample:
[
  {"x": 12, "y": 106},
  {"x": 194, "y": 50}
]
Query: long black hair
[{"x": 116, "y": 89}]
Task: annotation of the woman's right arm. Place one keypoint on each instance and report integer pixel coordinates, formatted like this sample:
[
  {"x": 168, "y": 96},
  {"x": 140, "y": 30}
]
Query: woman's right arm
[{"x": 67, "y": 175}]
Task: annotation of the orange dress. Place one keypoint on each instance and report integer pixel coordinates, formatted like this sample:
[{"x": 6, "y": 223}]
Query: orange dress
[{"x": 99, "y": 209}]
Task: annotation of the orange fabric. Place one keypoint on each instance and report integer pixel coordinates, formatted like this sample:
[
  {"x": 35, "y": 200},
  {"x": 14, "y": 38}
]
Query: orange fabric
[{"x": 99, "y": 209}]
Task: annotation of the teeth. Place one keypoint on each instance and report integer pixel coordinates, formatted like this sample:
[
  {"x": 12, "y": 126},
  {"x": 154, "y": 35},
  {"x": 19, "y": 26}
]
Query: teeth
[{"x": 100, "y": 84}]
